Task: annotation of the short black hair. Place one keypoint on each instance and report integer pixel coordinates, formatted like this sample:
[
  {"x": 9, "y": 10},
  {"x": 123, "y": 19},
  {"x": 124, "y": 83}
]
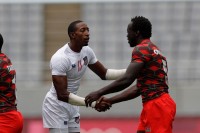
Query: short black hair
[
  {"x": 142, "y": 24},
  {"x": 1, "y": 41},
  {"x": 72, "y": 26}
]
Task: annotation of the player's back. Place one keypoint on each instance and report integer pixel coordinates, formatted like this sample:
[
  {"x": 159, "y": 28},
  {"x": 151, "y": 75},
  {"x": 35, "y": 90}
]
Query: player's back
[{"x": 7, "y": 84}]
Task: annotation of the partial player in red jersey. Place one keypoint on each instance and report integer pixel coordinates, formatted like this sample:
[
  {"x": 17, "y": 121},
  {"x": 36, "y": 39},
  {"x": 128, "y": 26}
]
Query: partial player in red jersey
[
  {"x": 11, "y": 120},
  {"x": 149, "y": 67}
]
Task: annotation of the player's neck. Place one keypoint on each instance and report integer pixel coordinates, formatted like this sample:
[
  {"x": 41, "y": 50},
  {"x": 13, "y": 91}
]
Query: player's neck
[
  {"x": 74, "y": 47},
  {"x": 142, "y": 40}
]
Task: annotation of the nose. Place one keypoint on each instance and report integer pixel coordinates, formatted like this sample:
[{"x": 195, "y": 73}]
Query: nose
[{"x": 87, "y": 32}]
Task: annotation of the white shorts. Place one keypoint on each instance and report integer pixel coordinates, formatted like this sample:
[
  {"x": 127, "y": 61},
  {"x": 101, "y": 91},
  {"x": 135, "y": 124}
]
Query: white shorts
[{"x": 58, "y": 114}]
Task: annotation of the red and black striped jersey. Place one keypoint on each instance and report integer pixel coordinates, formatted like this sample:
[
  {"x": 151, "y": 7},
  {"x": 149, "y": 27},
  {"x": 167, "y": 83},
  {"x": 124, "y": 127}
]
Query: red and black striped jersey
[
  {"x": 7, "y": 84},
  {"x": 152, "y": 79}
]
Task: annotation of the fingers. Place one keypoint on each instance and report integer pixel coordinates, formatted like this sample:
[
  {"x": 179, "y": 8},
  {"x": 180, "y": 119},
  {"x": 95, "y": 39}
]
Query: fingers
[
  {"x": 100, "y": 100},
  {"x": 102, "y": 104},
  {"x": 91, "y": 98},
  {"x": 102, "y": 107},
  {"x": 88, "y": 101}
]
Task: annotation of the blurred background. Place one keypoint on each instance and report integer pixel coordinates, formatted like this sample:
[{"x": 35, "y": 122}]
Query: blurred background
[{"x": 34, "y": 30}]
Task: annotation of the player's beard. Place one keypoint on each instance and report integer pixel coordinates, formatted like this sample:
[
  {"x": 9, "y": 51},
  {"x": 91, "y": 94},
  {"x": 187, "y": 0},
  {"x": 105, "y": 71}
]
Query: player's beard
[
  {"x": 86, "y": 44},
  {"x": 132, "y": 42}
]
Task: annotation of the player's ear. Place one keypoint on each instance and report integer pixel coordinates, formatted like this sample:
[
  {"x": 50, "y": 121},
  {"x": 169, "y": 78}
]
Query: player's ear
[
  {"x": 72, "y": 35},
  {"x": 137, "y": 33}
]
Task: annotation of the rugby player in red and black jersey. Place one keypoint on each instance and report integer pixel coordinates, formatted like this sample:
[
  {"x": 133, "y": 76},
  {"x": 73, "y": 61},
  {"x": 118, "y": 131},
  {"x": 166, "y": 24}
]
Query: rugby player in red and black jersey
[
  {"x": 149, "y": 67},
  {"x": 11, "y": 120}
]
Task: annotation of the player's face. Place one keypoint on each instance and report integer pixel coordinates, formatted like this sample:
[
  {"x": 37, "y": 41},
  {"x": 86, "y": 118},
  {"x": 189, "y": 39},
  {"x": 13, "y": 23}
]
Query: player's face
[
  {"x": 82, "y": 35},
  {"x": 131, "y": 36}
]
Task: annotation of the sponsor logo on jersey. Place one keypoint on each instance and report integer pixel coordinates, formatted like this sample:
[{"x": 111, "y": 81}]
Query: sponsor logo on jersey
[
  {"x": 85, "y": 59},
  {"x": 73, "y": 65}
]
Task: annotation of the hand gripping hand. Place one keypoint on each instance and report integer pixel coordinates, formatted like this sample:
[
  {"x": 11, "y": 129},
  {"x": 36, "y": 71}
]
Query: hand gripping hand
[
  {"x": 103, "y": 104},
  {"x": 93, "y": 96}
]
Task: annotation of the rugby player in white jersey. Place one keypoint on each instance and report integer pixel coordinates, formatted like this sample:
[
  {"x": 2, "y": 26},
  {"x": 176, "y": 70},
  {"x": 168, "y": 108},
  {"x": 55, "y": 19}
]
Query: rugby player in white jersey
[{"x": 61, "y": 104}]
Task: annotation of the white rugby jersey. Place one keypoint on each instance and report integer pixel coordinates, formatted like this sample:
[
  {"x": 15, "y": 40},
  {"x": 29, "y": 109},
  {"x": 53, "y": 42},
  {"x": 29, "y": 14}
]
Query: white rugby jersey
[{"x": 73, "y": 64}]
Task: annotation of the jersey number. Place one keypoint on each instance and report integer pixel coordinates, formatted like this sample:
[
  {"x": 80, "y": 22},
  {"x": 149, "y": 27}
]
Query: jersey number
[{"x": 165, "y": 68}]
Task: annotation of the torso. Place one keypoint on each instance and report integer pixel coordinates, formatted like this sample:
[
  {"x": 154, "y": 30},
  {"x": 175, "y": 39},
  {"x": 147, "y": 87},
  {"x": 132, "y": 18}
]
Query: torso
[
  {"x": 152, "y": 80},
  {"x": 7, "y": 85},
  {"x": 75, "y": 64}
]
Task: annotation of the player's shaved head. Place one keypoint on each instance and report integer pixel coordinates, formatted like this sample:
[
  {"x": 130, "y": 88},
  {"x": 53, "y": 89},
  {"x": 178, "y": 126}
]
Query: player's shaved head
[{"x": 72, "y": 26}]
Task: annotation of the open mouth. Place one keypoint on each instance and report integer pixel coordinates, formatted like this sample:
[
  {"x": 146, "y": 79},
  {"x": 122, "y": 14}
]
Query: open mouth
[{"x": 87, "y": 39}]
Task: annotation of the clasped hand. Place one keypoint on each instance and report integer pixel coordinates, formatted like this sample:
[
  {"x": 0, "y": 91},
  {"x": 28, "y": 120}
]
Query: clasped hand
[{"x": 102, "y": 103}]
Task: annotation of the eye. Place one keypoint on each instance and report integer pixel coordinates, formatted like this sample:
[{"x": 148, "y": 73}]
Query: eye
[{"x": 82, "y": 30}]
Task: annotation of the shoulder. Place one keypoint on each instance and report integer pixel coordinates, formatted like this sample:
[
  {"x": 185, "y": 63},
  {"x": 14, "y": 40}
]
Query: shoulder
[
  {"x": 87, "y": 48},
  {"x": 60, "y": 53},
  {"x": 4, "y": 58},
  {"x": 59, "y": 58},
  {"x": 59, "y": 62},
  {"x": 142, "y": 48}
]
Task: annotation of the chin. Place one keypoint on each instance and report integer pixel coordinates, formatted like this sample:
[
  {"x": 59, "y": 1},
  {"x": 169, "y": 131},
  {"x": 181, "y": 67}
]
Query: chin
[{"x": 132, "y": 44}]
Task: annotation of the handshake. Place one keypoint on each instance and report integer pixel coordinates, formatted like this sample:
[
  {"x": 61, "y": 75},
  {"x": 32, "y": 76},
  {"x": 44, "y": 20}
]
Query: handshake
[{"x": 102, "y": 104}]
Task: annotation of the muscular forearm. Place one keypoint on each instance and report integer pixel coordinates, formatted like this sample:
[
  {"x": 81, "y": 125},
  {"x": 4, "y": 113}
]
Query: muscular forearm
[
  {"x": 118, "y": 85},
  {"x": 128, "y": 94},
  {"x": 124, "y": 81}
]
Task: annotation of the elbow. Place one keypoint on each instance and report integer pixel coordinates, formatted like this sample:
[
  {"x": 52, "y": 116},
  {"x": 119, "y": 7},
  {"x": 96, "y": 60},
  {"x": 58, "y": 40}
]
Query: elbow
[
  {"x": 103, "y": 78},
  {"x": 59, "y": 98},
  {"x": 127, "y": 81},
  {"x": 62, "y": 98}
]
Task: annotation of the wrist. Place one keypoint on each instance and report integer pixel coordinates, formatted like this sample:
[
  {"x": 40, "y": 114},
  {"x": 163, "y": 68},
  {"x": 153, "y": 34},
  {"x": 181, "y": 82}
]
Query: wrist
[
  {"x": 76, "y": 100},
  {"x": 112, "y": 100}
]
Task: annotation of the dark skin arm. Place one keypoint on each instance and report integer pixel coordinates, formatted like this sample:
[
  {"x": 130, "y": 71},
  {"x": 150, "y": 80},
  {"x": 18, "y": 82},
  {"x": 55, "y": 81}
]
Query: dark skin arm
[
  {"x": 118, "y": 85},
  {"x": 60, "y": 84},
  {"x": 98, "y": 69},
  {"x": 128, "y": 94}
]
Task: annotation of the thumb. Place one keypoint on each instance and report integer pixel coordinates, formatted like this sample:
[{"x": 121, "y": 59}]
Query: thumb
[{"x": 100, "y": 100}]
